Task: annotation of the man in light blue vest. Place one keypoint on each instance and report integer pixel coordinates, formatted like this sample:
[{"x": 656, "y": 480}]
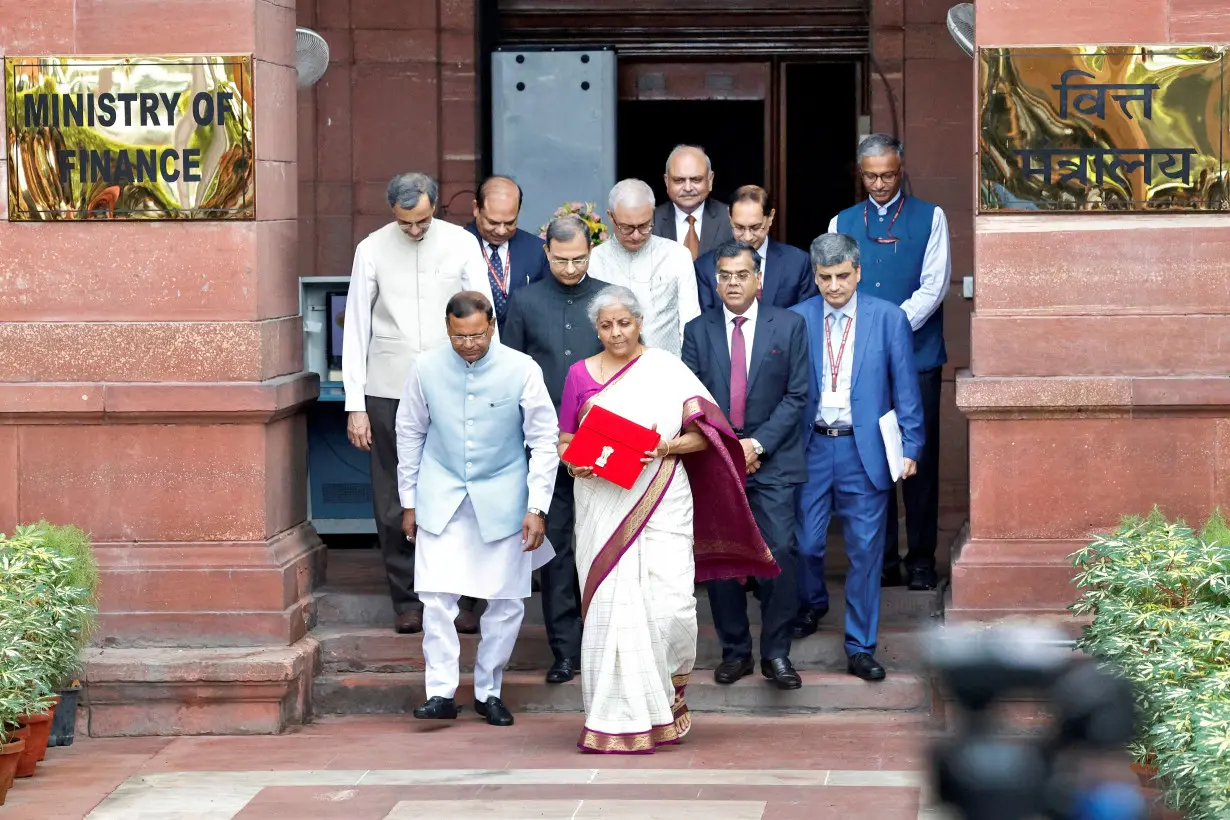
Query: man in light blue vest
[
  {"x": 474, "y": 507},
  {"x": 906, "y": 260}
]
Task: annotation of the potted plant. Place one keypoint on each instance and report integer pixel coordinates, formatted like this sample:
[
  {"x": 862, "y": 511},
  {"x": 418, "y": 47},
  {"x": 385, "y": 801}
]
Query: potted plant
[
  {"x": 72, "y": 542},
  {"x": 1160, "y": 597},
  {"x": 50, "y": 614}
]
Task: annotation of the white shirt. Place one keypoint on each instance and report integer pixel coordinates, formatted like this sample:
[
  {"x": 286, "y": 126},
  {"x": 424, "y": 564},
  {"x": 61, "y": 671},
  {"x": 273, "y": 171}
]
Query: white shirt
[
  {"x": 364, "y": 290},
  {"x": 681, "y": 222},
  {"x": 663, "y": 277},
  {"x": 749, "y": 332},
  {"x": 936, "y": 266},
  {"x": 763, "y": 253},
  {"x": 539, "y": 425},
  {"x": 845, "y": 367}
]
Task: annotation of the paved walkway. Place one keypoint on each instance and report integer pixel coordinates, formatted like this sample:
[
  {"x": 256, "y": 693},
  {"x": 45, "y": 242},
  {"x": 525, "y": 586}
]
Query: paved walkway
[{"x": 732, "y": 767}]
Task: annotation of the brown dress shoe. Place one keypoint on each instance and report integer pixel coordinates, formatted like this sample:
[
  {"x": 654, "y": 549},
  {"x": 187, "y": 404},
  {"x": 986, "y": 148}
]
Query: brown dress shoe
[
  {"x": 409, "y": 622},
  {"x": 466, "y": 622}
]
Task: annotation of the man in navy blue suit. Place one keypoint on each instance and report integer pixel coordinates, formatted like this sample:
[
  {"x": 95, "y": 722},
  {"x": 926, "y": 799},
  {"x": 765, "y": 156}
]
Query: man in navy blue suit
[
  {"x": 514, "y": 257},
  {"x": 752, "y": 357},
  {"x": 785, "y": 271},
  {"x": 862, "y": 356}
]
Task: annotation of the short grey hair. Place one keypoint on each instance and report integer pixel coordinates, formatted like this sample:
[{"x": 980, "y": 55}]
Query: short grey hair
[
  {"x": 631, "y": 193},
  {"x": 567, "y": 227},
  {"x": 877, "y": 145},
  {"x": 614, "y": 296},
  {"x": 831, "y": 249},
  {"x": 405, "y": 190},
  {"x": 683, "y": 146}
]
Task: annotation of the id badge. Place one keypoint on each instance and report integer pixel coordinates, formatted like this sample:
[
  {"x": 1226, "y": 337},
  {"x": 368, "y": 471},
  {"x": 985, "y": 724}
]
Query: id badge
[{"x": 835, "y": 400}]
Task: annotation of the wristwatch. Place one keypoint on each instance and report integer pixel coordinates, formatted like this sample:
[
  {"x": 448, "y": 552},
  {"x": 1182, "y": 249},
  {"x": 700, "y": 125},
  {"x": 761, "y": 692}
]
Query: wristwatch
[
  {"x": 538, "y": 513},
  {"x": 756, "y": 446}
]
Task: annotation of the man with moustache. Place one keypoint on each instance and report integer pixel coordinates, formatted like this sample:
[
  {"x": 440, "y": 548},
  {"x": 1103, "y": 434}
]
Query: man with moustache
[
  {"x": 691, "y": 218},
  {"x": 547, "y": 321},
  {"x": 906, "y": 260},
  {"x": 514, "y": 257},
  {"x": 785, "y": 271},
  {"x": 404, "y": 273},
  {"x": 657, "y": 270},
  {"x": 752, "y": 357},
  {"x": 862, "y": 366}
]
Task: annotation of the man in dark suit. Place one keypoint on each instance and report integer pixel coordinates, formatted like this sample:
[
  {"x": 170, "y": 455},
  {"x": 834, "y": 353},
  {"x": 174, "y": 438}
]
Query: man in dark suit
[
  {"x": 690, "y": 217},
  {"x": 763, "y": 395},
  {"x": 514, "y": 257},
  {"x": 785, "y": 270},
  {"x": 862, "y": 353},
  {"x": 547, "y": 321}
]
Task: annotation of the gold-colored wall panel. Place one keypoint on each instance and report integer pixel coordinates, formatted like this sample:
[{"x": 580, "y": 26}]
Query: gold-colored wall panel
[
  {"x": 1106, "y": 128},
  {"x": 132, "y": 138}
]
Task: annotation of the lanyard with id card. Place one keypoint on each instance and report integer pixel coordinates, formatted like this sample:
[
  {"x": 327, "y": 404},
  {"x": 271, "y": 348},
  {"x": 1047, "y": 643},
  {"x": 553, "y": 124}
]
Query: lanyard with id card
[{"x": 833, "y": 398}]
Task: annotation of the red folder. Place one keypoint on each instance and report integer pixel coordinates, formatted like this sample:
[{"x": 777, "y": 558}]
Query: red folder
[{"x": 612, "y": 445}]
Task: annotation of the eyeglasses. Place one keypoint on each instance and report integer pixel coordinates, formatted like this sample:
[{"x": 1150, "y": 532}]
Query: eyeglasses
[
  {"x": 473, "y": 337},
  {"x": 888, "y": 177},
  {"x": 628, "y": 230},
  {"x": 424, "y": 224},
  {"x": 578, "y": 263},
  {"x": 740, "y": 277}
]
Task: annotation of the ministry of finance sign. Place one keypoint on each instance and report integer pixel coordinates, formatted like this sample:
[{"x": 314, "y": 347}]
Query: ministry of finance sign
[
  {"x": 136, "y": 138},
  {"x": 1103, "y": 128}
]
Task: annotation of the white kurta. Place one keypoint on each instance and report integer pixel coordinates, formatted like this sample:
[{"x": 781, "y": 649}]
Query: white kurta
[
  {"x": 662, "y": 276},
  {"x": 458, "y": 561}
]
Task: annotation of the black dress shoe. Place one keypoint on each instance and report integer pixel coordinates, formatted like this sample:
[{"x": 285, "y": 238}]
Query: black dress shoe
[
  {"x": 730, "y": 671},
  {"x": 866, "y": 667},
  {"x": 891, "y": 577},
  {"x": 563, "y": 670},
  {"x": 923, "y": 578},
  {"x": 437, "y": 708},
  {"x": 495, "y": 711},
  {"x": 781, "y": 672},
  {"x": 808, "y": 621},
  {"x": 466, "y": 622},
  {"x": 409, "y": 622}
]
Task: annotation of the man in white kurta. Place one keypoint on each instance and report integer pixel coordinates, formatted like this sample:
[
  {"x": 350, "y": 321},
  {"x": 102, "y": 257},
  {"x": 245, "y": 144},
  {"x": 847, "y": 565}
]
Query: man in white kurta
[
  {"x": 475, "y": 508},
  {"x": 659, "y": 271},
  {"x": 403, "y": 275}
]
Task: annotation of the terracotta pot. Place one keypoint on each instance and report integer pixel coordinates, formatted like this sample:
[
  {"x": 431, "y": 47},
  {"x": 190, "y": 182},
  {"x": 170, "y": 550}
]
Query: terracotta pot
[
  {"x": 9, "y": 753},
  {"x": 1145, "y": 773},
  {"x": 51, "y": 713},
  {"x": 36, "y": 746}
]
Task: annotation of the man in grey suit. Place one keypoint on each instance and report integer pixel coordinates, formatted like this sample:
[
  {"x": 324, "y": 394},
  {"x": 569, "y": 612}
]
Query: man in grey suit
[{"x": 690, "y": 217}]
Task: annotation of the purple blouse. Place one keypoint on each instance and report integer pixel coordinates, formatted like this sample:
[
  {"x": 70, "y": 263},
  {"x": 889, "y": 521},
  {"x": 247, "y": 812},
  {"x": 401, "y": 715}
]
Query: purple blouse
[{"x": 579, "y": 387}]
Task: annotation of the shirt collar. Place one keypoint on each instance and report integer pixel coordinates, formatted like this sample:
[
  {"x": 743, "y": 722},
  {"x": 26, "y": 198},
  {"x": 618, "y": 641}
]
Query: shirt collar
[
  {"x": 699, "y": 213},
  {"x": 886, "y": 205},
  {"x": 749, "y": 314},
  {"x": 847, "y": 310}
]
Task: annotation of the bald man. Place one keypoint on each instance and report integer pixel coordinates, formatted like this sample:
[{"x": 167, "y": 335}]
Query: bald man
[
  {"x": 514, "y": 257},
  {"x": 690, "y": 217}
]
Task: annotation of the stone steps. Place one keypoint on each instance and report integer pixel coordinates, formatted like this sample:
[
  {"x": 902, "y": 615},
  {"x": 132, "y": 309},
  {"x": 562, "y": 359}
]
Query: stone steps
[
  {"x": 822, "y": 692},
  {"x": 379, "y": 649}
]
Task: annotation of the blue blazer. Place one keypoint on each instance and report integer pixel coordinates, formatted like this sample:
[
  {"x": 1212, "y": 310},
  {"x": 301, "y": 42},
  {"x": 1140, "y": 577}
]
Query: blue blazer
[
  {"x": 529, "y": 261},
  {"x": 789, "y": 282},
  {"x": 778, "y": 384},
  {"x": 883, "y": 378}
]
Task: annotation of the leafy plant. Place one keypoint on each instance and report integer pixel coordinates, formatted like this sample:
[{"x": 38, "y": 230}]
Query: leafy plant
[{"x": 1159, "y": 595}]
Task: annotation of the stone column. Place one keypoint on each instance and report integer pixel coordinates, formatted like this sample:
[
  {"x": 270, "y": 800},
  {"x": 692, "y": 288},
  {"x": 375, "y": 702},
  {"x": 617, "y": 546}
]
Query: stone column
[
  {"x": 151, "y": 376},
  {"x": 1096, "y": 386}
]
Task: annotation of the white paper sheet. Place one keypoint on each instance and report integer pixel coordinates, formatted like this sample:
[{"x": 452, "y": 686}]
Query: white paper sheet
[{"x": 891, "y": 431}]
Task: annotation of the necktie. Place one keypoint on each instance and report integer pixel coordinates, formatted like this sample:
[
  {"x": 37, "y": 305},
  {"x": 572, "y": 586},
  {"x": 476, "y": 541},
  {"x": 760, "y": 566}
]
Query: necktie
[
  {"x": 498, "y": 279},
  {"x": 738, "y": 374},
  {"x": 829, "y": 414},
  {"x": 692, "y": 241}
]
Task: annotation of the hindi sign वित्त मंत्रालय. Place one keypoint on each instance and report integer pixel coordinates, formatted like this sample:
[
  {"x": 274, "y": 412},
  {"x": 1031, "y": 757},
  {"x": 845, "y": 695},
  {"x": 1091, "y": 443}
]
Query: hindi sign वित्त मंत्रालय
[
  {"x": 130, "y": 138},
  {"x": 1102, "y": 128}
]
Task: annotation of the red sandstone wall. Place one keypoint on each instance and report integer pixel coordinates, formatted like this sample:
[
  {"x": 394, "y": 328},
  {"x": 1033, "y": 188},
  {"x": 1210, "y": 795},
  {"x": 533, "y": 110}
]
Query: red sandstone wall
[{"x": 400, "y": 94}]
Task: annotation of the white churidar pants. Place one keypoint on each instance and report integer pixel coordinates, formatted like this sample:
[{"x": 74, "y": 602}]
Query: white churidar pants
[{"x": 499, "y": 626}]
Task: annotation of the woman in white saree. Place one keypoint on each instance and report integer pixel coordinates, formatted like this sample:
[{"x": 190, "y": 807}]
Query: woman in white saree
[{"x": 640, "y": 551}]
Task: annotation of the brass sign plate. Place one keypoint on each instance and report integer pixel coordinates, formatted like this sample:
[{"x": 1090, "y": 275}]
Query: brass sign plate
[
  {"x": 1105, "y": 128},
  {"x": 129, "y": 138}
]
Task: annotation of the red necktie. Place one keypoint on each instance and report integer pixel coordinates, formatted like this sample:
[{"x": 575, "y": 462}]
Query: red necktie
[{"x": 738, "y": 374}]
